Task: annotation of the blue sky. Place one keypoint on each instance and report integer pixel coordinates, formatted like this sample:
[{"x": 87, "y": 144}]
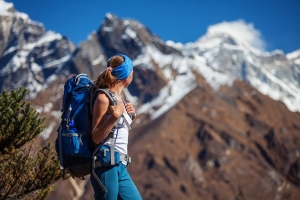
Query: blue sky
[{"x": 272, "y": 24}]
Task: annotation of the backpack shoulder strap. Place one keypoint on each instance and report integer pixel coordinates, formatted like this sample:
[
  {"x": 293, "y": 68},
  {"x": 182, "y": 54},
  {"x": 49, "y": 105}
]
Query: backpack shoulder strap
[{"x": 109, "y": 94}]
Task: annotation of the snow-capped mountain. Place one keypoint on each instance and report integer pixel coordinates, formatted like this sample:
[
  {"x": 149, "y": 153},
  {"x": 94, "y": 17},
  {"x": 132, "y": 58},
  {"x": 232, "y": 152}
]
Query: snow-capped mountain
[
  {"x": 201, "y": 116},
  {"x": 219, "y": 57},
  {"x": 273, "y": 74},
  {"x": 30, "y": 56},
  {"x": 294, "y": 56}
]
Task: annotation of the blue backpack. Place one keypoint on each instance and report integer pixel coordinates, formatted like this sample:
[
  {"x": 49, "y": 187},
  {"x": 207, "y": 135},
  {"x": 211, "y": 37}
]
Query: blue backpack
[{"x": 74, "y": 144}]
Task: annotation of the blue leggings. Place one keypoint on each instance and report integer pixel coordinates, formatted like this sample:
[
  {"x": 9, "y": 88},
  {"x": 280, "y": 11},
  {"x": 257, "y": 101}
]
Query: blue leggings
[{"x": 118, "y": 183}]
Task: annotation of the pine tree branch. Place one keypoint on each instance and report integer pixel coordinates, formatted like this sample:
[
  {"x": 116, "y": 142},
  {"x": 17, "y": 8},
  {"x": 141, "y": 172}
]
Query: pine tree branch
[
  {"x": 27, "y": 172},
  {"x": 20, "y": 125},
  {"x": 21, "y": 172}
]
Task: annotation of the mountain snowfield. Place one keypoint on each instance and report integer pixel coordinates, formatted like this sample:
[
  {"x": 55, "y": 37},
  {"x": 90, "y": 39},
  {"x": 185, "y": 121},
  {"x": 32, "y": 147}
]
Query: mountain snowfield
[
  {"x": 294, "y": 56},
  {"x": 222, "y": 53},
  {"x": 20, "y": 58},
  {"x": 178, "y": 86},
  {"x": 209, "y": 56}
]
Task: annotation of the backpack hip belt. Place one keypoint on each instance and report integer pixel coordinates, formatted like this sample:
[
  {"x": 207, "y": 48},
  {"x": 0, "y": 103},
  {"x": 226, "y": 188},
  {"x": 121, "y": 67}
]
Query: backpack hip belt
[{"x": 123, "y": 158}]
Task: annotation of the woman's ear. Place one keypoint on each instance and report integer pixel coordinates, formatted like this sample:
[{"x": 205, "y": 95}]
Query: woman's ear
[{"x": 124, "y": 80}]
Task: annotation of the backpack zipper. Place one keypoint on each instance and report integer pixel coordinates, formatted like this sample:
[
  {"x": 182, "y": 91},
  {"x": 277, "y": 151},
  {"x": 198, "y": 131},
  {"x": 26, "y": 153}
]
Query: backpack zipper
[{"x": 80, "y": 140}]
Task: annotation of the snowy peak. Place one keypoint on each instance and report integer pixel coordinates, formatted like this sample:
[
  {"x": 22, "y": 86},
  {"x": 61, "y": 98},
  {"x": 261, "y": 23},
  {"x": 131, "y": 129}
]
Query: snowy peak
[
  {"x": 17, "y": 29},
  {"x": 30, "y": 56},
  {"x": 8, "y": 9},
  {"x": 294, "y": 56},
  {"x": 112, "y": 21},
  {"x": 110, "y": 17},
  {"x": 4, "y": 6},
  {"x": 121, "y": 35},
  {"x": 215, "y": 39},
  {"x": 129, "y": 35},
  {"x": 270, "y": 72}
]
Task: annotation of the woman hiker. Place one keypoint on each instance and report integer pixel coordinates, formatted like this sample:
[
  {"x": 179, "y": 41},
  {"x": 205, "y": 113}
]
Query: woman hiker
[{"x": 113, "y": 175}]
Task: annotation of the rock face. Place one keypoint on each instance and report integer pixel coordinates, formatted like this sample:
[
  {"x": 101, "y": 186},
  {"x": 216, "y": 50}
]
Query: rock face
[{"x": 206, "y": 128}]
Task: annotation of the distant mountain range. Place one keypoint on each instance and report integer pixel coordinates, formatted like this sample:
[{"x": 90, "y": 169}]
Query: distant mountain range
[{"x": 205, "y": 129}]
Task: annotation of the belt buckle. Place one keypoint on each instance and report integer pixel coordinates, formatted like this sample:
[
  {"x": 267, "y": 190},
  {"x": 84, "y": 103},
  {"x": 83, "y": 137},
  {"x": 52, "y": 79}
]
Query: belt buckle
[{"x": 129, "y": 160}]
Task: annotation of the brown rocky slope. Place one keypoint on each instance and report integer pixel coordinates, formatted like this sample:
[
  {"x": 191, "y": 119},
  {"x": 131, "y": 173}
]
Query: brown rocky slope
[{"x": 233, "y": 144}]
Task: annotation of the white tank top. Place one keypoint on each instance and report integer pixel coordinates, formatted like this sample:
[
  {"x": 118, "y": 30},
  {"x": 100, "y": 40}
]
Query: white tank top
[{"x": 120, "y": 136}]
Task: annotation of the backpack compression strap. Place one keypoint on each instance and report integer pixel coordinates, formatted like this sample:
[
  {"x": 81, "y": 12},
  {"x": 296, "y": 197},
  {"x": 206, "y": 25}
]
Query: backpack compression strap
[{"x": 60, "y": 148}]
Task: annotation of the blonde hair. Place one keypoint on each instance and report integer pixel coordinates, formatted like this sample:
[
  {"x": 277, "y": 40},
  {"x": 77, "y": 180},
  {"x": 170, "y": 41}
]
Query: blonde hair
[{"x": 106, "y": 79}]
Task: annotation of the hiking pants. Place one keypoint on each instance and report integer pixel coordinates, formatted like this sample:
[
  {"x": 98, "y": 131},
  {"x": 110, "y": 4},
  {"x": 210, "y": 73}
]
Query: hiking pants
[{"x": 118, "y": 183}]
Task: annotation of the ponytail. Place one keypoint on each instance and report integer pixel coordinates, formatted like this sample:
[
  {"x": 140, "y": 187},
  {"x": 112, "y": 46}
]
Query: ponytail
[{"x": 106, "y": 79}]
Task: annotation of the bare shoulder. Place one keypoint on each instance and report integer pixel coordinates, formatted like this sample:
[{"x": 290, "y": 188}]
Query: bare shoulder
[
  {"x": 102, "y": 99},
  {"x": 101, "y": 105}
]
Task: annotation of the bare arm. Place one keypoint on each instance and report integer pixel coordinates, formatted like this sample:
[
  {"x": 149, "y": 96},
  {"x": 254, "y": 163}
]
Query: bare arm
[{"x": 101, "y": 126}]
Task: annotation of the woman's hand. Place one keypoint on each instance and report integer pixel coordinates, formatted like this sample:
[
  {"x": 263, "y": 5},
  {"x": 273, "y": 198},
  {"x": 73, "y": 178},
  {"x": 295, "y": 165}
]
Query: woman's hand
[
  {"x": 117, "y": 110},
  {"x": 130, "y": 110}
]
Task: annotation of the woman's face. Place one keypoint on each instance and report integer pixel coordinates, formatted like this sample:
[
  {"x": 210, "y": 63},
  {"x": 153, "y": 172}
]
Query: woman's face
[{"x": 129, "y": 79}]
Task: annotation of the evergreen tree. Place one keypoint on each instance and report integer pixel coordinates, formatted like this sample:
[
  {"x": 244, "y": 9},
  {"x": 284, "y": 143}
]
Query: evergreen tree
[{"x": 26, "y": 171}]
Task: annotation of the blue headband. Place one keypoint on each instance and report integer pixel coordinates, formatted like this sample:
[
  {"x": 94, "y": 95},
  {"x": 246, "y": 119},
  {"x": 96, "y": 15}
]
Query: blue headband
[{"x": 122, "y": 71}]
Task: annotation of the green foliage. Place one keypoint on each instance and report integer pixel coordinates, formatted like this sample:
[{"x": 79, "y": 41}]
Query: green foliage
[
  {"x": 19, "y": 122},
  {"x": 27, "y": 171}
]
